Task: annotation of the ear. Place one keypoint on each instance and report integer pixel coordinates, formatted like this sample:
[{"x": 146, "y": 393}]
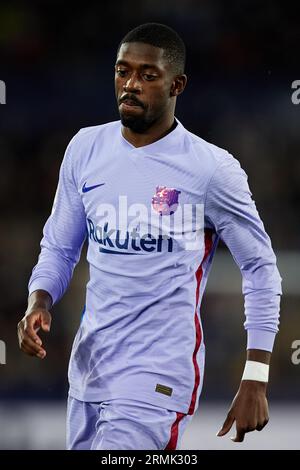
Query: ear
[{"x": 178, "y": 85}]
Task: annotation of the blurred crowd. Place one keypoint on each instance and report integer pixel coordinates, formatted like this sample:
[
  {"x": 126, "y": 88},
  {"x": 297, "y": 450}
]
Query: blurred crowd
[{"x": 58, "y": 66}]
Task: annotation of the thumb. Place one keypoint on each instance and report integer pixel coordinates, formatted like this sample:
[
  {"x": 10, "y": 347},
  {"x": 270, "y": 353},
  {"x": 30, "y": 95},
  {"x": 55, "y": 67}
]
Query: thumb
[
  {"x": 226, "y": 426},
  {"x": 46, "y": 321}
]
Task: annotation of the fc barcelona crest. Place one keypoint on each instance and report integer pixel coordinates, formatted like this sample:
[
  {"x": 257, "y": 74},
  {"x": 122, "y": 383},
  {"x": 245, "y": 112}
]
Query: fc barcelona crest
[{"x": 165, "y": 200}]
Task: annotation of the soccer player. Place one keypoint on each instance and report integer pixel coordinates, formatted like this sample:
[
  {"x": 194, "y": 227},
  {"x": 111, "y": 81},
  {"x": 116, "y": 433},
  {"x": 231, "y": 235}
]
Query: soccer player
[{"x": 152, "y": 200}]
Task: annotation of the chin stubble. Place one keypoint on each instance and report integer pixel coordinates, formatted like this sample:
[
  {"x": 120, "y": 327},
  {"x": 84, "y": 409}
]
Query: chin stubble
[{"x": 138, "y": 125}]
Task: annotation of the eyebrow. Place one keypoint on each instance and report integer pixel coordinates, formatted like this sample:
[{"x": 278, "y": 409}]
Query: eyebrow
[{"x": 143, "y": 66}]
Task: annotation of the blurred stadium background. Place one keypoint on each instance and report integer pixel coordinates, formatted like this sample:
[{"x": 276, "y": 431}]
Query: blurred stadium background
[{"x": 57, "y": 62}]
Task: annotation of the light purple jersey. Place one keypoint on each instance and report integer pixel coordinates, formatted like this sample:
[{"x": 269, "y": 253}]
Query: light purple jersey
[{"x": 141, "y": 336}]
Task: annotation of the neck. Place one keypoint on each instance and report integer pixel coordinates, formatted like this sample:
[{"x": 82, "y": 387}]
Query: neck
[{"x": 155, "y": 132}]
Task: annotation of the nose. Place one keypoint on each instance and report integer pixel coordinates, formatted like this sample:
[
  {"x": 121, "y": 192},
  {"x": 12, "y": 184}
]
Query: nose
[{"x": 132, "y": 84}]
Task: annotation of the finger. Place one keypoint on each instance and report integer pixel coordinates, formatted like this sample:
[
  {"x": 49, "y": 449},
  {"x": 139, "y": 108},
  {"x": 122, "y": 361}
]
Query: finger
[
  {"x": 25, "y": 349},
  {"x": 45, "y": 321},
  {"x": 226, "y": 426},
  {"x": 30, "y": 331},
  {"x": 28, "y": 350},
  {"x": 260, "y": 426},
  {"x": 31, "y": 345},
  {"x": 24, "y": 336},
  {"x": 240, "y": 434}
]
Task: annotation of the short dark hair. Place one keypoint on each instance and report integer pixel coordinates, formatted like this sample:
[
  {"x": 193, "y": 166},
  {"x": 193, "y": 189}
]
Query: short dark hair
[{"x": 160, "y": 35}]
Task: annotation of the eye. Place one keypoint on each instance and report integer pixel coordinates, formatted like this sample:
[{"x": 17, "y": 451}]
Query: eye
[
  {"x": 149, "y": 77},
  {"x": 121, "y": 72}
]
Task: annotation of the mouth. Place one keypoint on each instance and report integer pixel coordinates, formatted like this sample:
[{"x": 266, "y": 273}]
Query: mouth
[{"x": 128, "y": 104}]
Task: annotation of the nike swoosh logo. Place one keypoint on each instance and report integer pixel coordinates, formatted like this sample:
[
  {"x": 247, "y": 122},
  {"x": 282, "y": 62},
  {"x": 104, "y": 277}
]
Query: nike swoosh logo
[{"x": 86, "y": 189}]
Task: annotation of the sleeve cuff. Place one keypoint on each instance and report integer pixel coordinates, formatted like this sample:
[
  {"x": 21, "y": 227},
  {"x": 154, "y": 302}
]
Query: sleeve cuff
[
  {"x": 260, "y": 339},
  {"x": 46, "y": 284}
]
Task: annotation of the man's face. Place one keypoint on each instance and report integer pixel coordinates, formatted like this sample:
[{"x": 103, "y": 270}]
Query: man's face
[{"x": 143, "y": 80}]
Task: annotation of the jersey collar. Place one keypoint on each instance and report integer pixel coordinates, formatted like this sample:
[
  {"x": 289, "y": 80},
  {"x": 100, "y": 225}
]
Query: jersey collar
[{"x": 160, "y": 145}]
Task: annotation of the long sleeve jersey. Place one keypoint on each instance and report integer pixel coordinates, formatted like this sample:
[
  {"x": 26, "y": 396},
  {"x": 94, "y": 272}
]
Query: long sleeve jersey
[{"x": 152, "y": 217}]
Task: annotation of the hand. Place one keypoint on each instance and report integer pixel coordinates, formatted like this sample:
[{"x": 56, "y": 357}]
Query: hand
[
  {"x": 29, "y": 342},
  {"x": 249, "y": 409}
]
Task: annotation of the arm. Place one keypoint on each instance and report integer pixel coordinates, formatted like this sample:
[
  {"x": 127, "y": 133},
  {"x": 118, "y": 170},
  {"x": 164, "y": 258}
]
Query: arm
[
  {"x": 231, "y": 211},
  {"x": 63, "y": 234},
  {"x": 63, "y": 237}
]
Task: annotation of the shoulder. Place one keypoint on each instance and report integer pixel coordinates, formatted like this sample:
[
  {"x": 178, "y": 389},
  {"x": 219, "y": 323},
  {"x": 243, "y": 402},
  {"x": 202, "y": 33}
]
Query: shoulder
[
  {"x": 88, "y": 135},
  {"x": 208, "y": 153},
  {"x": 80, "y": 148},
  {"x": 218, "y": 164}
]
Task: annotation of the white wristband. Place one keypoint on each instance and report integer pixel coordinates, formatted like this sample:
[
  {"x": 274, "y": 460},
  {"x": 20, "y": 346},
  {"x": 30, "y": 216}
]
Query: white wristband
[{"x": 256, "y": 371}]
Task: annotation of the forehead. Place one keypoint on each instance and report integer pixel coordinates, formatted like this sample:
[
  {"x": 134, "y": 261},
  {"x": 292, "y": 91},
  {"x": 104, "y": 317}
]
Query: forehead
[{"x": 137, "y": 54}]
